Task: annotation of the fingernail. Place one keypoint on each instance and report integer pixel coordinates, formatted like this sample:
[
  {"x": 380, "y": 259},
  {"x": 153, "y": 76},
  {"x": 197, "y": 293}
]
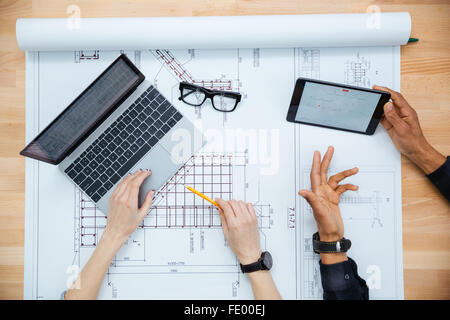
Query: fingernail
[{"x": 389, "y": 107}]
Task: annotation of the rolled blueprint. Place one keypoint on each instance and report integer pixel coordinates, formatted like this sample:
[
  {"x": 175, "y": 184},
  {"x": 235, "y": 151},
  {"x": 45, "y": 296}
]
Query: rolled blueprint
[{"x": 265, "y": 31}]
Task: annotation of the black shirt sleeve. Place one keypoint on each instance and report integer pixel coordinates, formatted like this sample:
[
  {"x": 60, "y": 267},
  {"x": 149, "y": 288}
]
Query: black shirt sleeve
[
  {"x": 441, "y": 178},
  {"x": 340, "y": 281}
]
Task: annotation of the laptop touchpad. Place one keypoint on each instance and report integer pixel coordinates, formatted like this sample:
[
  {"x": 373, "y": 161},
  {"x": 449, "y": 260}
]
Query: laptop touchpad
[{"x": 158, "y": 160}]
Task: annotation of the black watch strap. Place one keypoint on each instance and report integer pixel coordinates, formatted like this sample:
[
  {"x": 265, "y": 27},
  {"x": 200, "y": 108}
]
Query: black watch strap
[
  {"x": 252, "y": 267},
  {"x": 330, "y": 247},
  {"x": 263, "y": 263}
]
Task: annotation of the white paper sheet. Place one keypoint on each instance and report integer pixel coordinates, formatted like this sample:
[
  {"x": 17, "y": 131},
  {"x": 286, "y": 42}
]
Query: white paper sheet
[
  {"x": 272, "y": 31},
  {"x": 190, "y": 258}
]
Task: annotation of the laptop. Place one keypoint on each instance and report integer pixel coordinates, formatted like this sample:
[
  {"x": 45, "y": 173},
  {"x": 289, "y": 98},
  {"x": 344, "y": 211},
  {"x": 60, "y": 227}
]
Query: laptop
[{"x": 119, "y": 124}]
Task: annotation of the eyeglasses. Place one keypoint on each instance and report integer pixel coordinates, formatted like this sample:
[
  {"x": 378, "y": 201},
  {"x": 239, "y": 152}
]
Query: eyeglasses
[{"x": 224, "y": 101}]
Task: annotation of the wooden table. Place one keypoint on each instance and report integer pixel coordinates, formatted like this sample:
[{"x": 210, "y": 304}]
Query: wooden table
[{"x": 425, "y": 81}]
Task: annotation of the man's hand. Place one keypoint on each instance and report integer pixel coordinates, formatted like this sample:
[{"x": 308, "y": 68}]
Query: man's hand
[
  {"x": 324, "y": 200},
  {"x": 240, "y": 228},
  {"x": 124, "y": 216},
  {"x": 325, "y": 195},
  {"x": 402, "y": 124}
]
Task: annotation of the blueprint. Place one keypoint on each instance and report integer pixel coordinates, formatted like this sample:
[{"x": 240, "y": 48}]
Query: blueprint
[{"x": 253, "y": 154}]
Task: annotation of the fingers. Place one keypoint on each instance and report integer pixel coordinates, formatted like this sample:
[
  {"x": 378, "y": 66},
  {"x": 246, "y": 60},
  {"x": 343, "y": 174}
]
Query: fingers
[
  {"x": 392, "y": 116},
  {"x": 250, "y": 214},
  {"x": 122, "y": 185},
  {"x": 399, "y": 101},
  {"x": 345, "y": 187},
  {"x": 129, "y": 186},
  {"x": 242, "y": 213},
  {"x": 145, "y": 207},
  {"x": 395, "y": 96},
  {"x": 315, "y": 171},
  {"x": 138, "y": 178},
  {"x": 235, "y": 213},
  {"x": 227, "y": 211},
  {"x": 386, "y": 124},
  {"x": 251, "y": 210},
  {"x": 131, "y": 191},
  {"x": 245, "y": 211},
  {"x": 223, "y": 221},
  {"x": 325, "y": 163},
  {"x": 338, "y": 177},
  {"x": 236, "y": 209},
  {"x": 309, "y": 196}
]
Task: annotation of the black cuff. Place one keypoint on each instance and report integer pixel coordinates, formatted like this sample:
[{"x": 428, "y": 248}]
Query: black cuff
[
  {"x": 341, "y": 281},
  {"x": 338, "y": 276},
  {"x": 441, "y": 178}
]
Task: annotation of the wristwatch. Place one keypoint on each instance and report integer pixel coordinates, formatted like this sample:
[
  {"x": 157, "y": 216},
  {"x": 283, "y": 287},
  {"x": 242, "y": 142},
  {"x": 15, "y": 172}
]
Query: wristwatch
[
  {"x": 263, "y": 263},
  {"x": 330, "y": 247}
]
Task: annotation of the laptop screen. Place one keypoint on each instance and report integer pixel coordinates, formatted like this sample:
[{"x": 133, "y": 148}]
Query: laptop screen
[{"x": 86, "y": 112}]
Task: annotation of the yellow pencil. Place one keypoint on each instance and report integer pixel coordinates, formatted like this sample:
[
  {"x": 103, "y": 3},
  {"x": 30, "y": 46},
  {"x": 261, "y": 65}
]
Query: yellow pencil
[{"x": 203, "y": 196}]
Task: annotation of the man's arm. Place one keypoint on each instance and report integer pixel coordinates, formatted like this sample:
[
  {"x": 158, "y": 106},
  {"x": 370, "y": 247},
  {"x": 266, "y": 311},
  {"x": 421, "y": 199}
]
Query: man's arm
[
  {"x": 402, "y": 124},
  {"x": 340, "y": 279},
  {"x": 240, "y": 229},
  {"x": 124, "y": 217},
  {"x": 441, "y": 178}
]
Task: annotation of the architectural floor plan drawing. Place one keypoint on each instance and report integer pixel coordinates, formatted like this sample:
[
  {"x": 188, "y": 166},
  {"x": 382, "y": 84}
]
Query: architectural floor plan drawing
[
  {"x": 195, "y": 222},
  {"x": 251, "y": 154}
]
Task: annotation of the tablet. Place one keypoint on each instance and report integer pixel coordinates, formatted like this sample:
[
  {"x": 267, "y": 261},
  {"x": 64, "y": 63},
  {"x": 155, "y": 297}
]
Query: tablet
[{"x": 336, "y": 106}]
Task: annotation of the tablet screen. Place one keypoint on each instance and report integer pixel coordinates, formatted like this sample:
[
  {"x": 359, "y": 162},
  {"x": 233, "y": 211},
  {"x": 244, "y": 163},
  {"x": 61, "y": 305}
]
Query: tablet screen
[{"x": 337, "y": 107}]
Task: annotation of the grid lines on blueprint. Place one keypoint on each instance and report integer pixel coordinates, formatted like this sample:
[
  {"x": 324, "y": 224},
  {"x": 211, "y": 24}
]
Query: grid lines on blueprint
[{"x": 176, "y": 207}]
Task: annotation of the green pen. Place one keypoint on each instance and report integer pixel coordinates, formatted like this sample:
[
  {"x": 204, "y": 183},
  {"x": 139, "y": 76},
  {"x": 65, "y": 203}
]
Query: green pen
[{"x": 413, "y": 40}]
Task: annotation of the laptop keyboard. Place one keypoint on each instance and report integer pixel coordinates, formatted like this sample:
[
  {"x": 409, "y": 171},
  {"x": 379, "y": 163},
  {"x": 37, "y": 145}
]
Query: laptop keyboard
[{"x": 123, "y": 144}]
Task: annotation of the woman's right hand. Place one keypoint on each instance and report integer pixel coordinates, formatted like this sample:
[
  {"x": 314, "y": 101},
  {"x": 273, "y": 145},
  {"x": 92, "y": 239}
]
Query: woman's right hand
[{"x": 240, "y": 228}]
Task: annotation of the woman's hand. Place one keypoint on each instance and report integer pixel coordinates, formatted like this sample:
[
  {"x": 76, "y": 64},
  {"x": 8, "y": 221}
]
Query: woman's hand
[
  {"x": 240, "y": 228},
  {"x": 124, "y": 216}
]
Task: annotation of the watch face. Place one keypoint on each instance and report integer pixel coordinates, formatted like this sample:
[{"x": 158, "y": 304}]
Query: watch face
[{"x": 267, "y": 260}]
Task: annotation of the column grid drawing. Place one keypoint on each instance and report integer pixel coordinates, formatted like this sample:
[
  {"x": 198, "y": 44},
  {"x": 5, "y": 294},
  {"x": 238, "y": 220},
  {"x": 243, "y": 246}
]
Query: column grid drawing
[{"x": 211, "y": 174}]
